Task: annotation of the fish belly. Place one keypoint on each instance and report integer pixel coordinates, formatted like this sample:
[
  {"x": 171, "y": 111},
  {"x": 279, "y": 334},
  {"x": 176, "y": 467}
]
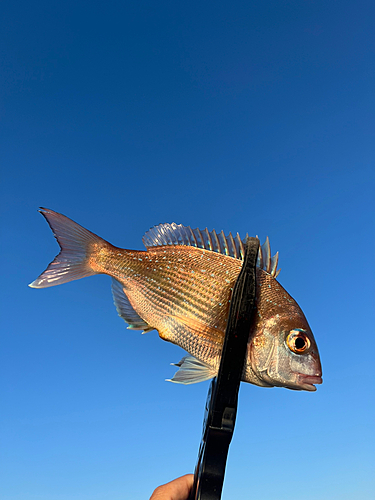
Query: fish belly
[{"x": 184, "y": 293}]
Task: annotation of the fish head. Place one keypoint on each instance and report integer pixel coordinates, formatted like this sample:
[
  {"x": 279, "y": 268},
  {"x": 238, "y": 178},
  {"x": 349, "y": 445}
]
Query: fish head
[{"x": 283, "y": 351}]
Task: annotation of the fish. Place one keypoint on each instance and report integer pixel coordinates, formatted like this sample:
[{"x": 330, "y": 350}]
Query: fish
[{"x": 181, "y": 286}]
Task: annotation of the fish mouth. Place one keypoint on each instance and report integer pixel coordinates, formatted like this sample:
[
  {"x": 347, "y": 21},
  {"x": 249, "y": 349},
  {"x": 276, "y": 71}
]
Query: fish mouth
[{"x": 307, "y": 381}]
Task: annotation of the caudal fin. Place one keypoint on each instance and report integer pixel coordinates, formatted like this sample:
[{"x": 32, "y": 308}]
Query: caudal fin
[{"x": 76, "y": 243}]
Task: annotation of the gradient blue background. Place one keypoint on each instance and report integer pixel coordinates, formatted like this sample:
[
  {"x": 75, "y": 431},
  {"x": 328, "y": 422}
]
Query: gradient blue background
[{"x": 243, "y": 116}]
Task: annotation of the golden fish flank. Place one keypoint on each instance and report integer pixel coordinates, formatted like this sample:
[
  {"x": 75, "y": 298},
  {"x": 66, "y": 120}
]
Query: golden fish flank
[{"x": 181, "y": 286}]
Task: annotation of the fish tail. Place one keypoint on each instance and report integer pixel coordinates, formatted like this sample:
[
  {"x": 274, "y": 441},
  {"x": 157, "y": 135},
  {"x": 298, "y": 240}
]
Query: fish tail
[{"x": 77, "y": 245}]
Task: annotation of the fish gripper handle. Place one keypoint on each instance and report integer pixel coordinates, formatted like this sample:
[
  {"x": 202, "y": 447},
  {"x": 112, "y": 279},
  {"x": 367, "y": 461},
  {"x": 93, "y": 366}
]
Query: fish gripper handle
[{"x": 221, "y": 405}]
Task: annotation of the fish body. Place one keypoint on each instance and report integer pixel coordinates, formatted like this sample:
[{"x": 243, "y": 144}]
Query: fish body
[{"x": 181, "y": 286}]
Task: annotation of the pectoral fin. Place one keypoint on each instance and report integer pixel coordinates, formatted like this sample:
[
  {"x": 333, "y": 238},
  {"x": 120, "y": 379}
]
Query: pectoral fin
[{"x": 125, "y": 309}]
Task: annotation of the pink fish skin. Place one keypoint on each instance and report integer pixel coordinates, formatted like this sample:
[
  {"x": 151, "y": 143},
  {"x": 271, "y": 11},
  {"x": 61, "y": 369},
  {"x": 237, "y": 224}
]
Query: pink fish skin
[{"x": 181, "y": 286}]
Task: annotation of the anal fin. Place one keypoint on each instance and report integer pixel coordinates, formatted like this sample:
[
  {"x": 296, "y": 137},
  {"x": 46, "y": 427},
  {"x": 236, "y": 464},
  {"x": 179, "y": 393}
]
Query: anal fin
[{"x": 192, "y": 371}]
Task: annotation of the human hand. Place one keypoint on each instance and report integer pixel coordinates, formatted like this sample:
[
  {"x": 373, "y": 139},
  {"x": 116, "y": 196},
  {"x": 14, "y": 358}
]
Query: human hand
[{"x": 178, "y": 489}]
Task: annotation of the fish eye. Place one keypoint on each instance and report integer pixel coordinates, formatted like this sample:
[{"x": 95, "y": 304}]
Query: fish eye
[{"x": 298, "y": 341}]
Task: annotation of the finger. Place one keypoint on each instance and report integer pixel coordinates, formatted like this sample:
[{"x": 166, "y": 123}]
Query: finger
[{"x": 179, "y": 489}]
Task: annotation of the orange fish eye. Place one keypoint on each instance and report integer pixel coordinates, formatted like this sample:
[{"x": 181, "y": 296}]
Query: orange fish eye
[{"x": 298, "y": 341}]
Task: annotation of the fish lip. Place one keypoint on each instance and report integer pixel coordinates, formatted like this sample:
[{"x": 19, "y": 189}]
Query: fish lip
[{"x": 308, "y": 381}]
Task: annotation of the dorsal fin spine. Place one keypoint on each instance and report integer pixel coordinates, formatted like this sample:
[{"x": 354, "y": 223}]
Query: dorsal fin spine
[
  {"x": 182, "y": 232},
  {"x": 216, "y": 241},
  {"x": 260, "y": 257},
  {"x": 209, "y": 239},
  {"x": 174, "y": 234},
  {"x": 274, "y": 262},
  {"x": 201, "y": 238},
  {"x": 268, "y": 254},
  {"x": 163, "y": 240},
  {"x": 224, "y": 242},
  {"x": 220, "y": 248},
  {"x": 193, "y": 236},
  {"x": 188, "y": 235},
  {"x": 242, "y": 250},
  {"x": 234, "y": 246}
]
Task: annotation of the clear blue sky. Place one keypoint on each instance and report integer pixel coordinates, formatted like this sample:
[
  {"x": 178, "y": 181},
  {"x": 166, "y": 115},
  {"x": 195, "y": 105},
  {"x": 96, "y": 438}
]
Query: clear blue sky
[{"x": 243, "y": 116}]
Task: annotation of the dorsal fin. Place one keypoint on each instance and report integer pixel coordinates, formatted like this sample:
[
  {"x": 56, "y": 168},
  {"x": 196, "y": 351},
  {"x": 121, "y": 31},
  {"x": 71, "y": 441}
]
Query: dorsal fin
[
  {"x": 177, "y": 234},
  {"x": 125, "y": 309},
  {"x": 265, "y": 261}
]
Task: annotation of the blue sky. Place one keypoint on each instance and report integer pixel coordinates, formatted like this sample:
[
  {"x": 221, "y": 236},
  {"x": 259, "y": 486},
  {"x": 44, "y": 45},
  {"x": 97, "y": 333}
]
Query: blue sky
[{"x": 248, "y": 116}]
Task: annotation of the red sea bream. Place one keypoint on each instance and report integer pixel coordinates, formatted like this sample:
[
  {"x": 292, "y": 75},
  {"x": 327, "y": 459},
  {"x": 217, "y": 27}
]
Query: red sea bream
[{"x": 181, "y": 286}]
